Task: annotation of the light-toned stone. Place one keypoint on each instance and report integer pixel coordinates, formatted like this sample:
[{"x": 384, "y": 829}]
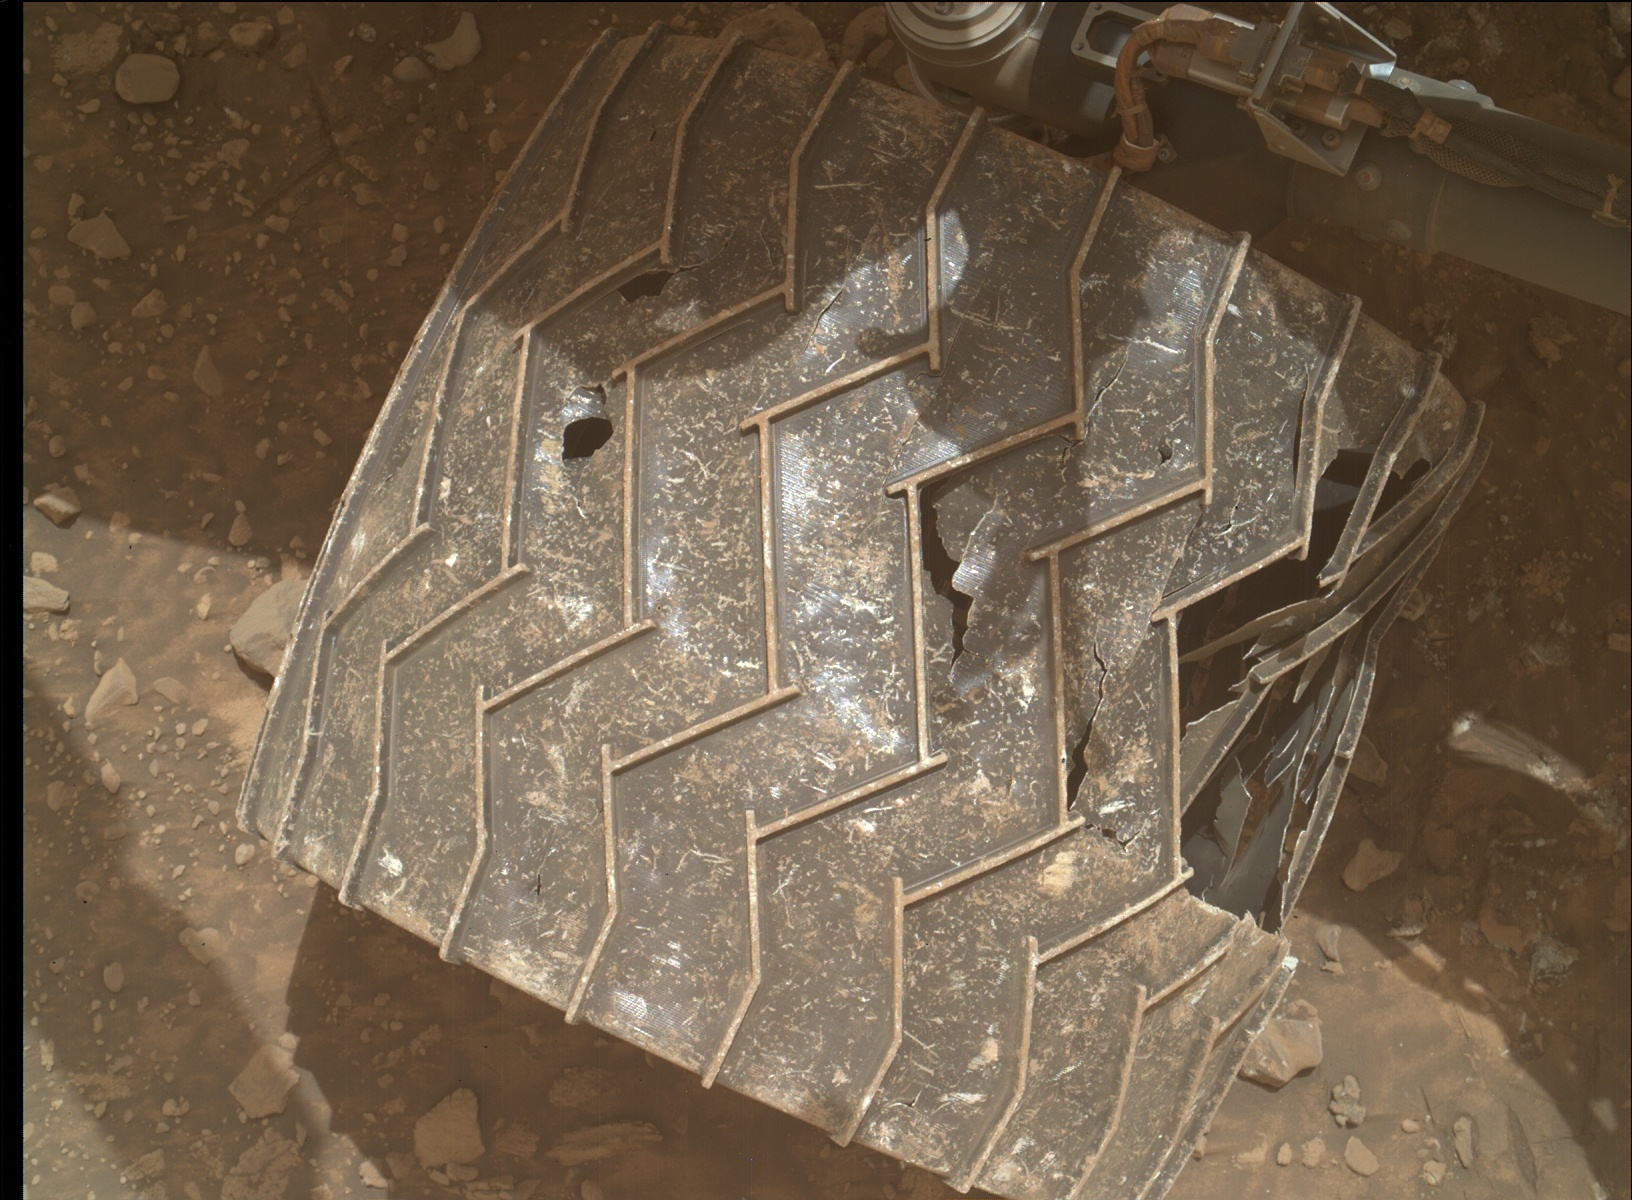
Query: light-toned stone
[
  {"x": 262, "y": 1087},
  {"x": 780, "y": 30},
  {"x": 459, "y": 48},
  {"x": 146, "y": 79},
  {"x": 203, "y": 944},
  {"x": 206, "y": 375},
  {"x": 603, "y": 1141},
  {"x": 1284, "y": 1050},
  {"x": 259, "y": 637},
  {"x": 411, "y": 70},
  {"x": 449, "y": 1133},
  {"x": 250, "y": 36},
  {"x": 1359, "y": 1158},
  {"x": 1369, "y": 864},
  {"x": 116, "y": 689},
  {"x": 41, "y": 595},
  {"x": 100, "y": 236},
  {"x": 62, "y": 505}
]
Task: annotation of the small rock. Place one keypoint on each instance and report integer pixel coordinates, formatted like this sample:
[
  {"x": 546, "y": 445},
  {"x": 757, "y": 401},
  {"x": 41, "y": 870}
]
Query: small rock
[
  {"x": 411, "y": 70},
  {"x": 1314, "y": 1152},
  {"x": 1434, "y": 1172},
  {"x": 100, "y": 236},
  {"x": 1285, "y": 1049},
  {"x": 1370, "y": 864},
  {"x": 1360, "y": 1159},
  {"x": 202, "y": 944},
  {"x": 62, "y": 505},
  {"x": 449, "y": 1132},
  {"x": 1410, "y": 1125},
  {"x": 1442, "y": 850},
  {"x": 206, "y": 375},
  {"x": 173, "y": 690},
  {"x": 1551, "y": 958},
  {"x": 1327, "y": 937},
  {"x": 1368, "y": 765},
  {"x": 151, "y": 305},
  {"x": 240, "y": 533},
  {"x": 262, "y": 1087},
  {"x": 780, "y": 30},
  {"x": 259, "y": 636},
  {"x": 250, "y": 36},
  {"x": 459, "y": 48},
  {"x": 116, "y": 689},
  {"x": 146, "y": 79},
  {"x": 114, "y": 831},
  {"x": 371, "y": 1175},
  {"x": 602, "y": 1141},
  {"x": 113, "y": 977},
  {"x": 58, "y": 795},
  {"x": 866, "y": 30},
  {"x": 1345, "y": 1107},
  {"x": 57, "y": 446},
  {"x": 243, "y": 853},
  {"x": 1254, "y": 1157},
  {"x": 111, "y": 783},
  {"x": 42, "y": 563},
  {"x": 1283, "y": 1156},
  {"x": 40, "y": 595},
  {"x": 1462, "y": 1139},
  {"x": 81, "y": 316},
  {"x": 88, "y": 53},
  {"x": 1549, "y": 335}
]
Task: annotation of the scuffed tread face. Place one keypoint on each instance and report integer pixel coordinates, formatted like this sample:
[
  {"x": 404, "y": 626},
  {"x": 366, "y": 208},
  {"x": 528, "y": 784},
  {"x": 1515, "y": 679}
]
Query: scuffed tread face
[{"x": 867, "y": 609}]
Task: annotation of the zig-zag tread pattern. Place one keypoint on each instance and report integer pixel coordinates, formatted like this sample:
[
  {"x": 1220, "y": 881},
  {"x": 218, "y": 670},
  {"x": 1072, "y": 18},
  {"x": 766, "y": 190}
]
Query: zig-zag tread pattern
[{"x": 681, "y": 737}]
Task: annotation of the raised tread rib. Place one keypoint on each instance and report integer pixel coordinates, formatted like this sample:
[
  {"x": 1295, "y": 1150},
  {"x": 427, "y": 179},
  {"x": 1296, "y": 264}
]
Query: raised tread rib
[{"x": 840, "y": 727}]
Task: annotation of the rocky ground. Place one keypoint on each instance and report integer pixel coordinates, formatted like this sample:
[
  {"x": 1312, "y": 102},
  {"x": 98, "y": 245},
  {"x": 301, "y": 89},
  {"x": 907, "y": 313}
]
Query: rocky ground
[{"x": 235, "y": 216}]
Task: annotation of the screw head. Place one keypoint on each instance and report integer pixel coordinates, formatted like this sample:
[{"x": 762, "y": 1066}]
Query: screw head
[
  {"x": 1367, "y": 177},
  {"x": 1331, "y": 139}
]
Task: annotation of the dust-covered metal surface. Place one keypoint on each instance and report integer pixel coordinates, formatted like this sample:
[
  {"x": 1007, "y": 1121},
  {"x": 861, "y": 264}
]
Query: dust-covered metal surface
[{"x": 864, "y": 608}]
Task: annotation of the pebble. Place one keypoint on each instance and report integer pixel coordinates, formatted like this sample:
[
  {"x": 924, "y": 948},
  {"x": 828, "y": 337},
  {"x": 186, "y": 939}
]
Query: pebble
[
  {"x": 116, "y": 689},
  {"x": 866, "y": 30},
  {"x": 259, "y": 636},
  {"x": 206, "y": 375},
  {"x": 146, "y": 79},
  {"x": 1314, "y": 1152},
  {"x": 1368, "y": 765},
  {"x": 57, "y": 446},
  {"x": 411, "y": 70},
  {"x": 1434, "y": 1172},
  {"x": 100, "y": 236},
  {"x": 1345, "y": 1107},
  {"x": 780, "y": 30},
  {"x": 1360, "y": 1159},
  {"x": 151, "y": 305},
  {"x": 62, "y": 505},
  {"x": 240, "y": 533},
  {"x": 173, "y": 690},
  {"x": 459, "y": 48},
  {"x": 449, "y": 1132},
  {"x": 1283, "y": 1156},
  {"x": 243, "y": 853},
  {"x": 1410, "y": 1125},
  {"x": 58, "y": 795},
  {"x": 250, "y": 36},
  {"x": 608, "y": 1141},
  {"x": 371, "y": 1175},
  {"x": 113, "y": 977},
  {"x": 41, "y": 595},
  {"x": 1284, "y": 1050},
  {"x": 41, "y": 563},
  {"x": 1327, "y": 938},
  {"x": 262, "y": 1088},
  {"x": 114, "y": 831},
  {"x": 1462, "y": 1139},
  {"x": 202, "y": 944},
  {"x": 1369, "y": 864},
  {"x": 110, "y": 779},
  {"x": 81, "y": 316},
  {"x": 89, "y": 52}
]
